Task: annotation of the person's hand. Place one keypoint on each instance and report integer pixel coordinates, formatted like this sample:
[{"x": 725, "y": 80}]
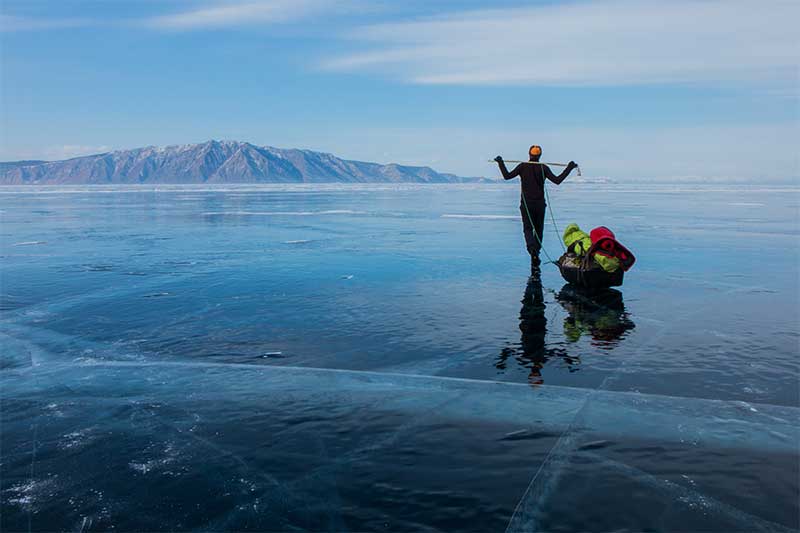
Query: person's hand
[
  {"x": 571, "y": 165},
  {"x": 499, "y": 159}
]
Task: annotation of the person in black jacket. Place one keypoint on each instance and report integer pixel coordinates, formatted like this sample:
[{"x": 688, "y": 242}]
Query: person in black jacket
[{"x": 532, "y": 205}]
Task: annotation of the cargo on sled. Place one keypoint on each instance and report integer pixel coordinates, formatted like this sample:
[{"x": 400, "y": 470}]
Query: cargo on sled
[{"x": 596, "y": 260}]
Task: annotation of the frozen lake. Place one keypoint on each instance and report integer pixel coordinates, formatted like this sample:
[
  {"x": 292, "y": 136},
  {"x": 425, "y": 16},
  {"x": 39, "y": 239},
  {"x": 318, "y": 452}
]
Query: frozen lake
[{"x": 376, "y": 358}]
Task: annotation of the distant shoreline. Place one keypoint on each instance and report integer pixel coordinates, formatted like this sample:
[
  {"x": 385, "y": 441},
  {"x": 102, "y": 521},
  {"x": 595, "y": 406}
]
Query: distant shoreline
[{"x": 620, "y": 186}]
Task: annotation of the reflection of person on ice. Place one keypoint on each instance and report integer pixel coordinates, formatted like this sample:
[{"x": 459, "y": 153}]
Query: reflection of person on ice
[
  {"x": 532, "y": 205},
  {"x": 532, "y": 352}
]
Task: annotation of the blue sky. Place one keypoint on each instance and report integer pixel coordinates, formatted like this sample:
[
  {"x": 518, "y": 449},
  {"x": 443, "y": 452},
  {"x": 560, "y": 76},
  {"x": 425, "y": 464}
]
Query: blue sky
[{"x": 629, "y": 89}]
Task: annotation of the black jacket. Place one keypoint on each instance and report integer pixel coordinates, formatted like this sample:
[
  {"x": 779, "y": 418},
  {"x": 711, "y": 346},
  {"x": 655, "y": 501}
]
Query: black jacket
[{"x": 532, "y": 178}]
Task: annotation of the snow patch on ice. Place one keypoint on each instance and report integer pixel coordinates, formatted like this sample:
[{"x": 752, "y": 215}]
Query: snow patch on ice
[
  {"x": 170, "y": 455},
  {"x": 286, "y": 213},
  {"x": 481, "y": 217},
  {"x": 27, "y": 495},
  {"x": 76, "y": 439}
]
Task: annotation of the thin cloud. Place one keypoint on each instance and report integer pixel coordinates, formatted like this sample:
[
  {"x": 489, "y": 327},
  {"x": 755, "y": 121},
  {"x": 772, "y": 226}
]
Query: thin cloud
[
  {"x": 51, "y": 153},
  {"x": 11, "y": 23},
  {"x": 210, "y": 15},
  {"x": 67, "y": 151},
  {"x": 227, "y": 14},
  {"x": 588, "y": 43}
]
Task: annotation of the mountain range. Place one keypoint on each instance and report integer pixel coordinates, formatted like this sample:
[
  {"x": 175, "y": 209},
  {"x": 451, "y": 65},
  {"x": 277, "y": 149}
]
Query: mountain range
[{"x": 214, "y": 162}]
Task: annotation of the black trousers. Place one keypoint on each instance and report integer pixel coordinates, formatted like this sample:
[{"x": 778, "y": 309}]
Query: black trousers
[{"x": 536, "y": 210}]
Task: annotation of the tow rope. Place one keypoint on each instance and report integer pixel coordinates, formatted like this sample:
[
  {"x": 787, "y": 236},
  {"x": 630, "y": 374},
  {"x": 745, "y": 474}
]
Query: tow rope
[{"x": 550, "y": 209}]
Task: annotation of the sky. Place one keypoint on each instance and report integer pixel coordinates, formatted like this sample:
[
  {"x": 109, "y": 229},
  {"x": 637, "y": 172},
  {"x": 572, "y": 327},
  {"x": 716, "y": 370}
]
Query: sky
[{"x": 627, "y": 88}]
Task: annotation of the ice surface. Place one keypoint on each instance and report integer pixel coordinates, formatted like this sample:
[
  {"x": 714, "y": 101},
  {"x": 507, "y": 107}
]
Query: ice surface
[
  {"x": 481, "y": 217},
  {"x": 174, "y": 414},
  {"x": 184, "y": 395},
  {"x": 608, "y": 415},
  {"x": 391, "y": 366},
  {"x": 285, "y": 213}
]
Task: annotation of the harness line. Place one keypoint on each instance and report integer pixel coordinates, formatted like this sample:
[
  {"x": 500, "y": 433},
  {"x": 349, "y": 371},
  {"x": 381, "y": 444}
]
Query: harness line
[{"x": 552, "y": 216}]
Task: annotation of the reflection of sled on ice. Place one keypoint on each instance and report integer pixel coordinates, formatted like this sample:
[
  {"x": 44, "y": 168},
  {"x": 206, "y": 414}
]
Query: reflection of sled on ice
[{"x": 599, "y": 313}]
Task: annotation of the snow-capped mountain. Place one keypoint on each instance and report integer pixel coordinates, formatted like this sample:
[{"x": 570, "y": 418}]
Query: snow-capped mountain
[{"x": 214, "y": 162}]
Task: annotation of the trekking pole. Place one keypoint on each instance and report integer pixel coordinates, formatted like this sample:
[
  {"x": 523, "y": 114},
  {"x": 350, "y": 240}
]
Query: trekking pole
[{"x": 536, "y": 163}]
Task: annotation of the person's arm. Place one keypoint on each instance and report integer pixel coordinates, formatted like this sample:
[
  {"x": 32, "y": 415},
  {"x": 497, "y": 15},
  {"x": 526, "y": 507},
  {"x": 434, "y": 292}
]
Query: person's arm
[
  {"x": 561, "y": 177},
  {"x": 503, "y": 170}
]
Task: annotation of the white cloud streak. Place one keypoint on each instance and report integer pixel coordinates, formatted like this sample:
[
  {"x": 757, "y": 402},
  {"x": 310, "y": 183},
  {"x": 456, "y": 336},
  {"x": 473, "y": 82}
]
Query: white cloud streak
[
  {"x": 67, "y": 151},
  {"x": 208, "y": 15},
  {"x": 618, "y": 42},
  {"x": 50, "y": 153},
  {"x": 10, "y": 23},
  {"x": 236, "y": 14}
]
